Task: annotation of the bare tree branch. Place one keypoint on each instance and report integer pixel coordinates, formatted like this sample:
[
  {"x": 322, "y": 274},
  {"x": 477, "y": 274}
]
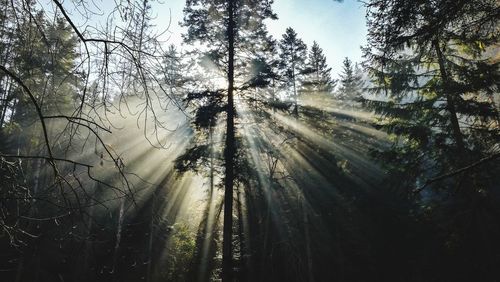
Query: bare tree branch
[
  {"x": 38, "y": 111},
  {"x": 458, "y": 171}
]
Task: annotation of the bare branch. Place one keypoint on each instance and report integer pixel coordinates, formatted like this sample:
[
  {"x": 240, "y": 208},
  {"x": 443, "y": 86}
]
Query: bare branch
[
  {"x": 458, "y": 171},
  {"x": 38, "y": 111}
]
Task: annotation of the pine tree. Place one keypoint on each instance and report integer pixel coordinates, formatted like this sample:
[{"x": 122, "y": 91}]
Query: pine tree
[
  {"x": 319, "y": 79},
  {"x": 351, "y": 83},
  {"x": 225, "y": 28},
  {"x": 293, "y": 54},
  {"x": 429, "y": 61},
  {"x": 431, "y": 67},
  {"x": 174, "y": 72},
  {"x": 41, "y": 54},
  {"x": 45, "y": 61},
  {"x": 263, "y": 72},
  {"x": 7, "y": 37}
]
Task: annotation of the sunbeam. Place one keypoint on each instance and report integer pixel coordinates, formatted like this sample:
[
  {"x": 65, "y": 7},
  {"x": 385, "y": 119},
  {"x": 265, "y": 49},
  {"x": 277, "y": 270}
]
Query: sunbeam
[{"x": 237, "y": 140}]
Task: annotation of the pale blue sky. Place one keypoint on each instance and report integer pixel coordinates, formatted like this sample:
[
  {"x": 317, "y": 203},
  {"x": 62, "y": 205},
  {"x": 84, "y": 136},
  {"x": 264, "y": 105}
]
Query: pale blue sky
[{"x": 339, "y": 28}]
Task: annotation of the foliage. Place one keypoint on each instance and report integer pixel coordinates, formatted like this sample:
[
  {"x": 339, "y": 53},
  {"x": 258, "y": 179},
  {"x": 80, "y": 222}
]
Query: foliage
[
  {"x": 319, "y": 79},
  {"x": 293, "y": 55},
  {"x": 439, "y": 97},
  {"x": 351, "y": 82},
  {"x": 436, "y": 84},
  {"x": 181, "y": 251}
]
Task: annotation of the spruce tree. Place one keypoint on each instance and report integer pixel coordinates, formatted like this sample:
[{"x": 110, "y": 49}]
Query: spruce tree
[
  {"x": 351, "y": 83},
  {"x": 430, "y": 64},
  {"x": 319, "y": 78},
  {"x": 44, "y": 58},
  {"x": 439, "y": 86},
  {"x": 229, "y": 31},
  {"x": 7, "y": 37},
  {"x": 293, "y": 55},
  {"x": 174, "y": 73},
  {"x": 41, "y": 54}
]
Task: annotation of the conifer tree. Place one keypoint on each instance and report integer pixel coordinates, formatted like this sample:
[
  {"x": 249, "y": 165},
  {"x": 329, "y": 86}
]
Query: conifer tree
[
  {"x": 45, "y": 60},
  {"x": 431, "y": 67},
  {"x": 319, "y": 79},
  {"x": 351, "y": 82},
  {"x": 7, "y": 38},
  {"x": 42, "y": 53},
  {"x": 293, "y": 55},
  {"x": 226, "y": 29},
  {"x": 174, "y": 72},
  {"x": 429, "y": 61}
]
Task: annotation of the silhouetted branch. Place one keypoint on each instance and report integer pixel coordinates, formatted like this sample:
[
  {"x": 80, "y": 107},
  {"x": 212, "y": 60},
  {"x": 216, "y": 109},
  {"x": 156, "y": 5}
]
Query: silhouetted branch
[
  {"x": 45, "y": 158},
  {"x": 73, "y": 119},
  {"x": 458, "y": 171},
  {"x": 38, "y": 111}
]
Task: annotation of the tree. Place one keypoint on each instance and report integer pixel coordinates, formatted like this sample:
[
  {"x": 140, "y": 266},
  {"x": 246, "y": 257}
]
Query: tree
[
  {"x": 8, "y": 36},
  {"x": 429, "y": 61},
  {"x": 293, "y": 54},
  {"x": 174, "y": 72},
  {"x": 60, "y": 82},
  {"x": 351, "y": 82},
  {"x": 224, "y": 28},
  {"x": 319, "y": 79},
  {"x": 440, "y": 78},
  {"x": 43, "y": 55}
]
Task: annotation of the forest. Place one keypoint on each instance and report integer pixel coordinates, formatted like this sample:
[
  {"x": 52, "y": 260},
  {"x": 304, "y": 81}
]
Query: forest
[{"x": 238, "y": 155}]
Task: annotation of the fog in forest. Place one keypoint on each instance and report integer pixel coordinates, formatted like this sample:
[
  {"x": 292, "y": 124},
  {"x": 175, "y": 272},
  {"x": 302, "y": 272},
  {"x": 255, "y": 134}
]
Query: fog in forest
[{"x": 232, "y": 140}]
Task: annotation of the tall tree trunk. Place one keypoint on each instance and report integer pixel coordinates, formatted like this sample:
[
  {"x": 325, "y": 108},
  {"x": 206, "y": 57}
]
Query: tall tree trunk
[
  {"x": 83, "y": 272},
  {"x": 307, "y": 235},
  {"x": 119, "y": 229},
  {"x": 457, "y": 134},
  {"x": 296, "y": 107},
  {"x": 152, "y": 232},
  {"x": 227, "y": 250},
  {"x": 36, "y": 180},
  {"x": 7, "y": 98},
  {"x": 242, "y": 263},
  {"x": 5, "y": 103}
]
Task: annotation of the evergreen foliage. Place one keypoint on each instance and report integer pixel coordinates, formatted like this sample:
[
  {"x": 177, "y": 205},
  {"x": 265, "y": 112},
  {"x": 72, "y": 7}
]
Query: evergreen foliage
[
  {"x": 241, "y": 190},
  {"x": 319, "y": 79},
  {"x": 351, "y": 82},
  {"x": 234, "y": 36},
  {"x": 292, "y": 65},
  {"x": 436, "y": 86}
]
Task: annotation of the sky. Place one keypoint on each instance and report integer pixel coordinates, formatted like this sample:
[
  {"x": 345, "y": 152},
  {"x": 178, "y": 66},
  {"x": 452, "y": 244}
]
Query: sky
[{"x": 339, "y": 28}]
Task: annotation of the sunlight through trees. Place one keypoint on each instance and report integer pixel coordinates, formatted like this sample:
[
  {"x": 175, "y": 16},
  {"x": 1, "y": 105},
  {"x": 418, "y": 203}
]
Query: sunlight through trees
[{"x": 238, "y": 156}]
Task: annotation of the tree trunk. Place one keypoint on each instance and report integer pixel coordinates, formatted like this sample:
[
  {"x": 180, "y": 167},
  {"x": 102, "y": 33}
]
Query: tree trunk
[
  {"x": 152, "y": 232},
  {"x": 307, "y": 235},
  {"x": 227, "y": 251},
  {"x": 36, "y": 180},
  {"x": 121, "y": 216},
  {"x": 5, "y": 103},
  {"x": 242, "y": 263},
  {"x": 296, "y": 107},
  {"x": 457, "y": 134}
]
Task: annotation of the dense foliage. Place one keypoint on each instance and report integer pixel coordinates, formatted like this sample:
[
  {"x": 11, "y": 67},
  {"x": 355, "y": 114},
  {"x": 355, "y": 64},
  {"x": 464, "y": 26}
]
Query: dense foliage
[{"x": 242, "y": 157}]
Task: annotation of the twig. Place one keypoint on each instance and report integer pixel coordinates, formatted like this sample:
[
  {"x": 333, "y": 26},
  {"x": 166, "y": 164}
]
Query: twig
[
  {"x": 39, "y": 113},
  {"x": 455, "y": 172}
]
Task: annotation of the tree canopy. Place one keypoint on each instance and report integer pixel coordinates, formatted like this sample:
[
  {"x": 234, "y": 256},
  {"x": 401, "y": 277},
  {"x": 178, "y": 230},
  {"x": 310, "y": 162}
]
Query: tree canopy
[{"x": 238, "y": 155}]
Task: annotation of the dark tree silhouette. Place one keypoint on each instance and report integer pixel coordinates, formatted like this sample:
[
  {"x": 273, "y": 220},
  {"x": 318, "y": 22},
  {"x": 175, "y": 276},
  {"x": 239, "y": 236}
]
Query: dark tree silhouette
[
  {"x": 61, "y": 78},
  {"x": 430, "y": 62},
  {"x": 351, "y": 83},
  {"x": 319, "y": 79},
  {"x": 293, "y": 55},
  {"x": 224, "y": 28}
]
